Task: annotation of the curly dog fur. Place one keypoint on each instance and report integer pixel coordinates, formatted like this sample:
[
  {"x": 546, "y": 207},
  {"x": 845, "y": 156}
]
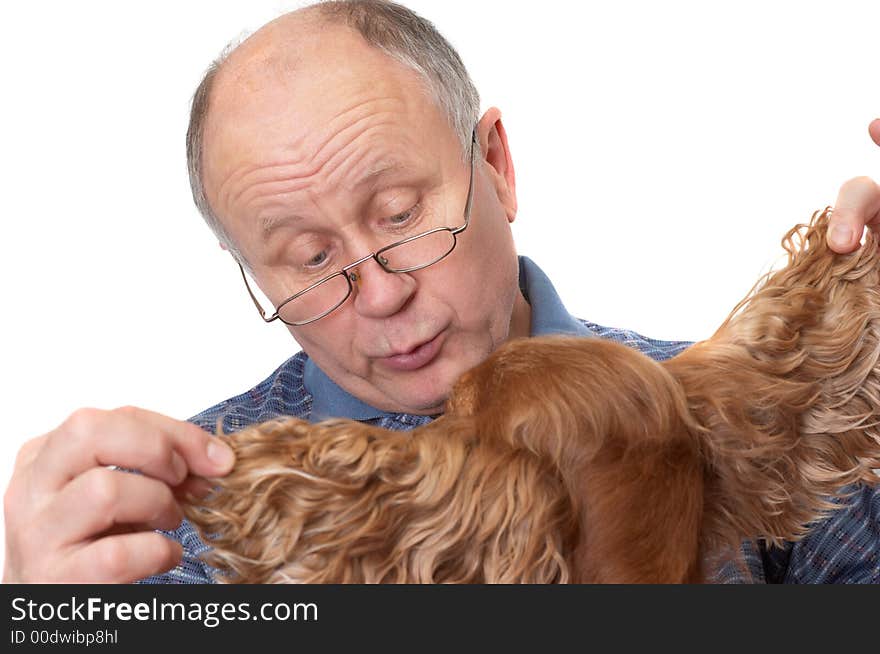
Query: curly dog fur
[{"x": 581, "y": 460}]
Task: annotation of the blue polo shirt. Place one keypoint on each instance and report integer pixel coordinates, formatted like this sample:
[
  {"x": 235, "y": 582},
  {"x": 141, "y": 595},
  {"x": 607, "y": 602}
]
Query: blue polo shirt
[{"x": 843, "y": 548}]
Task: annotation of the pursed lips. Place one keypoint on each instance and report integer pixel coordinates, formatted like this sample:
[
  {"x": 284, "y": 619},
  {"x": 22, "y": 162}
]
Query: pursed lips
[{"x": 414, "y": 357}]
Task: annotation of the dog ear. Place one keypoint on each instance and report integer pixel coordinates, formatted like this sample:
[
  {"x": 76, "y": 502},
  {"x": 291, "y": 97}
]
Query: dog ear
[
  {"x": 641, "y": 513},
  {"x": 463, "y": 400},
  {"x": 787, "y": 393},
  {"x": 242, "y": 519},
  {"x": 613, "y": 424}
]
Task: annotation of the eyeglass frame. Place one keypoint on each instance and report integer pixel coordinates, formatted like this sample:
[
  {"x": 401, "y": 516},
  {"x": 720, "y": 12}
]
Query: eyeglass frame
[{"x": 383, "y": 263}]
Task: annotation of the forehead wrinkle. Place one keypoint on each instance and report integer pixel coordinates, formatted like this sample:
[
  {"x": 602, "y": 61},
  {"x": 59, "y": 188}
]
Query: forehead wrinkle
[
  {"x": 235, "y": 188},
  {"x": 356, "y": 122},
  {"x": 359, "y": 110},
  {"x": 369, "y": 181},
  {"x": 278, "y": 177},
  {"x": 362, "y": 117},
  {"x": 276, "y": 180},
  {"x": 301, "y": 165},
  {"x": 359, "y": 163},
  {"x": 282, "y": 178}
]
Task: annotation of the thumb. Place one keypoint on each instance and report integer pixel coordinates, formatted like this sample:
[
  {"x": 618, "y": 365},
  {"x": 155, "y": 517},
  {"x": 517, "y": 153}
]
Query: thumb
[
  {"x": 874, "y": 130},
  {"x": 858, "y": 205}
]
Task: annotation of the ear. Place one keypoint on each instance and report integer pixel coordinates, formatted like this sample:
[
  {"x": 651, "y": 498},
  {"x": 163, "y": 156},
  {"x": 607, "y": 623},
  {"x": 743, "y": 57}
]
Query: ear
[{"x": 496, "y": 152}]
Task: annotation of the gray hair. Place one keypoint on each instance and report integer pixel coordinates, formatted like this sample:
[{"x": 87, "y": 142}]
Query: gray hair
[{"x": 392, "y": 28}]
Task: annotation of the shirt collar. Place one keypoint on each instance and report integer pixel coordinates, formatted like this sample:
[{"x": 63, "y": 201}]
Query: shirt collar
[{"x": 549, "y": 316}]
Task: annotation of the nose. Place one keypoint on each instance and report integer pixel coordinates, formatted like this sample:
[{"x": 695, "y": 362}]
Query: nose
[{"x": 380, "y": 294}]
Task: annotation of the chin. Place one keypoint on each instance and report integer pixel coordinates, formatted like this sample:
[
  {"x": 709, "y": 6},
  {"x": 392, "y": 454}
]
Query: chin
[
  {"x": 425, "y": 391},
  {"x": 424, "y": 396}
]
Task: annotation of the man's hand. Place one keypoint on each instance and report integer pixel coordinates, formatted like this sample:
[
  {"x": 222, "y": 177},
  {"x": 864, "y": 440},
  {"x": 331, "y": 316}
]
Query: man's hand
[
  {"x": 857, "y": 206},
  {"x": 70, "y": 518}
]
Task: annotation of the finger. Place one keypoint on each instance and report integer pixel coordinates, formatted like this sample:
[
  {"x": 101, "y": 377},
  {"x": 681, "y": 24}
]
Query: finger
[
  {"x": 203, "y": 453},
  {"x": 29, "y": 451},
  {"x": 858, "y": 205},
  {"x": 874, "y": 130},
  {"x": 193, "y": 489},
  {"x": 19, "y": 486},
  {"x": 121, "y": 559},
  {"x": 154, "y": 444},
  {"x": 114, "y": 498}
]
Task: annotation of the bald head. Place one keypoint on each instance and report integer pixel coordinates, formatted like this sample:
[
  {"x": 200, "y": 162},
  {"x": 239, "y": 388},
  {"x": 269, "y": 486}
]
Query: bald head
[
  {"x": 326, "y": 35},
  {"x": 271, "y": 55},
  {"x": 302, "y": 65}
]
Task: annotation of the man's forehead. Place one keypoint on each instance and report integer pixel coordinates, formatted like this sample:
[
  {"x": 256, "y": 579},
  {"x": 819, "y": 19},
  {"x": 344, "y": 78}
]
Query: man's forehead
[
  {"x": 314, "y": 77},
  {"x": 294, "y": 48},
  {"x": 363, "y": 185},
  {"x": 270, "y": 57},
  {"x": 283, "y": 107}
]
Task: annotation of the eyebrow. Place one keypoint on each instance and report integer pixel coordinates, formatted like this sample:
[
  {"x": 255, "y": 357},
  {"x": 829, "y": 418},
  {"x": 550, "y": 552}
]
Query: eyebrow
[
  {"x": 380, "y": 170},
  {"x": 270, "y": 224}
]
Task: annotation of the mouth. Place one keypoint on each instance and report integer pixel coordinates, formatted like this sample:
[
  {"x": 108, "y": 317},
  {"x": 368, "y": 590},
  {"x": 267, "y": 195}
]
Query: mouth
[{"x": 417, "y": 357}]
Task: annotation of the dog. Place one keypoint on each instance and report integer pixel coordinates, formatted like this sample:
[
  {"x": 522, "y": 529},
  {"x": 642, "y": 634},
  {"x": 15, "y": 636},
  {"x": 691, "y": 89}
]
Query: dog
[{"x": 564, "y": 459}]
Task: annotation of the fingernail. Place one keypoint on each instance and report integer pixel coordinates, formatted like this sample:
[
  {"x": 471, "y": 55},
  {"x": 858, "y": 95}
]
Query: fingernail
[
  {"x": 841, "y": 235},
  {"x": 180, "y": 469},
  {"x": 220, "y": 454},
  {"x": 200, "y": 488}
]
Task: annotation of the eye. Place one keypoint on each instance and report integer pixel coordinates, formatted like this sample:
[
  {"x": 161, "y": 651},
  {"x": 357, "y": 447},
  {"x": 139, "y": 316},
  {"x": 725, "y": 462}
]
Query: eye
[
  {"x": 404, "y": 218},
  {"x": 309, "y": 255},
  {"x": 317, "y": 260}
]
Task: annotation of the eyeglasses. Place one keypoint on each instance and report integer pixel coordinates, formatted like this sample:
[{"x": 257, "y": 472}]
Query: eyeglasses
[{"x": 404, "y": 256}]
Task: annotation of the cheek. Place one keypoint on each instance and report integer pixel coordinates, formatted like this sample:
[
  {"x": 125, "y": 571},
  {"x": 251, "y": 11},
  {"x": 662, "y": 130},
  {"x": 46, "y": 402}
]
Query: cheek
[
  {"x": 486, "y": 278},
  {"x": 329, "y": 339},
  {"x": 480, "y": 300}
]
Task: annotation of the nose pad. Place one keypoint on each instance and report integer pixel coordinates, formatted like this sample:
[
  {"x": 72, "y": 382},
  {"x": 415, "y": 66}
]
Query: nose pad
[{"x": 383, "y": 295}]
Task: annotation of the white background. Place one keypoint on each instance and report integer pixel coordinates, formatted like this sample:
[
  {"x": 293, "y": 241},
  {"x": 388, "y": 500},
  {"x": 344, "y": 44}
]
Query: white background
[{"x": 662, "y": 149}]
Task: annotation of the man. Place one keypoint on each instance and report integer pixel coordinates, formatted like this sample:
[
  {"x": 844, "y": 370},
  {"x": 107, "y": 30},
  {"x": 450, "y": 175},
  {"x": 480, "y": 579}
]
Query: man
[{"x": 330, "y": 135}]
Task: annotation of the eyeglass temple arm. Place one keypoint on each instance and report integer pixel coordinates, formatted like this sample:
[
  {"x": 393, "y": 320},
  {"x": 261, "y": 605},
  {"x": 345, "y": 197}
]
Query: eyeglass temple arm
[
  {"x": 254, "y": 297},
  {"x": 470, "y": 196}
]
